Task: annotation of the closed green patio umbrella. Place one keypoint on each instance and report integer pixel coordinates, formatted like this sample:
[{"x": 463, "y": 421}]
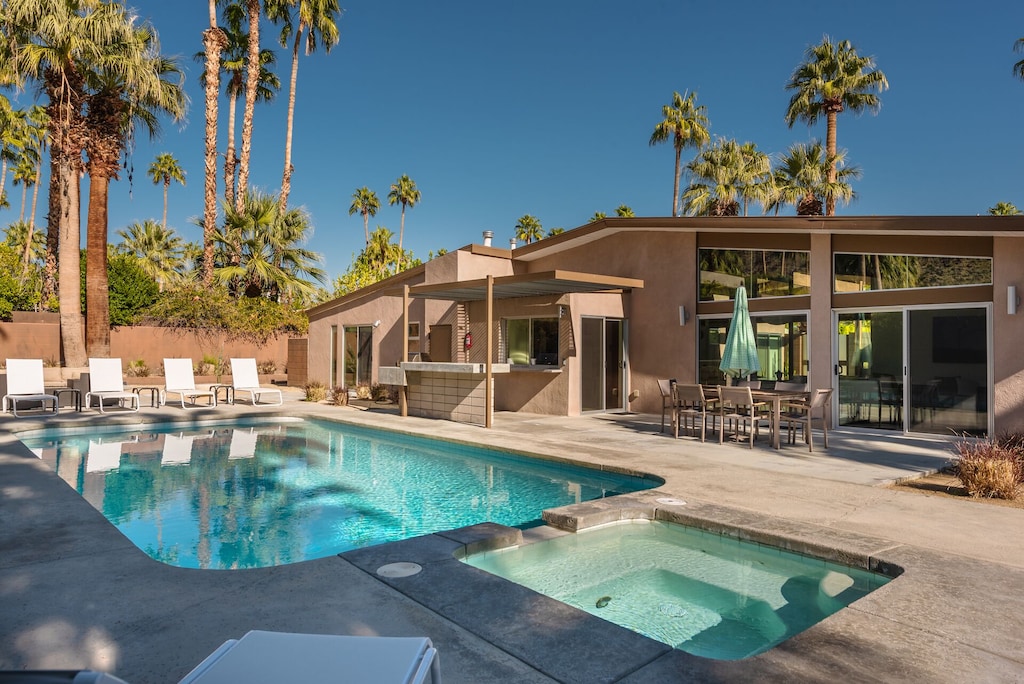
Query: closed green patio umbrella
[{"x": 739, "y": 359}]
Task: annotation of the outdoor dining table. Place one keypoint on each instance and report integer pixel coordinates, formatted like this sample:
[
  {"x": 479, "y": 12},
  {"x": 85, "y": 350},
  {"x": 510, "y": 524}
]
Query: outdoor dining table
[{"x": 775, "y": 397}]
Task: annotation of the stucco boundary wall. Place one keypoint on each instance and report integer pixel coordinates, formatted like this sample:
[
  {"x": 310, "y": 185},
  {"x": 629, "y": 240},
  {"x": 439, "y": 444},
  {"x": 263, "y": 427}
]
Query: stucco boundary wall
[{"x": 36, "y": 340}]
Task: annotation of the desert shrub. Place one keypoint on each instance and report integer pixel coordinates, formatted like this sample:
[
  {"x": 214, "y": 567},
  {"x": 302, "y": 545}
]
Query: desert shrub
[
  {"x": 362, "y": 391},
  {"x": 986, "y": 468},
  {"x": 339, "y": 395},
  {"x": 315, "y": 391},
  {"x": 137, "y": 369},
  {"x": 380, "y": 392},
  {"x": 266, "y": 367}
]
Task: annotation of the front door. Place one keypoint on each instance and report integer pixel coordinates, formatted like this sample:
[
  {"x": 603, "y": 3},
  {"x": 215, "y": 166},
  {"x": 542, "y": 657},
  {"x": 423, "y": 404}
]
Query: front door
[{"x": 603, "y": 362}]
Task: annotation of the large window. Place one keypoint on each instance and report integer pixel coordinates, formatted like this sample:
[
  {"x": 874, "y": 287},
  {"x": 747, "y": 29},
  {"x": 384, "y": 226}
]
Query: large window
[
  {"x": 358, "y": 355},
  {"x": 863, "y": 272},
  {"x": 781, "y": 347},
  {"x": 531, "y": 341},
  {"x": 765, "y": 273}
]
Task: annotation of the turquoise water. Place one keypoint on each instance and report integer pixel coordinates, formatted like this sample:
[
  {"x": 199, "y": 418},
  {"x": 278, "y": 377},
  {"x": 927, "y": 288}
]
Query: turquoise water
[
  {"x": 248, "y": 495},
  {"x": 703, "y": 593}
]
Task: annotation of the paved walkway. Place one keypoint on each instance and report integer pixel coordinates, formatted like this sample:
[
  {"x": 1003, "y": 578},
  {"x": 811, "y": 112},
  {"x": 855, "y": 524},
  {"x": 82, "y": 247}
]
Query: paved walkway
[{"x": 74, "y": 593}]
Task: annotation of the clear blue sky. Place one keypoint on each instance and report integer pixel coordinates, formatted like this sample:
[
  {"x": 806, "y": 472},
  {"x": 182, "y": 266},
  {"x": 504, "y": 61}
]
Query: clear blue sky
[{"x": 502, "y": 109}]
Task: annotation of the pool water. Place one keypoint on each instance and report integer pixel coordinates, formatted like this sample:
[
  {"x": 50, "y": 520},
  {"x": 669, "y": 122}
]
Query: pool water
[
  {"x": 703, "y": 593},
  {"x": 250, "y": 495}
]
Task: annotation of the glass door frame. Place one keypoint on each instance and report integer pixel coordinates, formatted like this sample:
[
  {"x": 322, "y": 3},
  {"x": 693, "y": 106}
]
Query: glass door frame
[
  {"x": 905, "y": 310},
  {"x": 623, "y": 367}
]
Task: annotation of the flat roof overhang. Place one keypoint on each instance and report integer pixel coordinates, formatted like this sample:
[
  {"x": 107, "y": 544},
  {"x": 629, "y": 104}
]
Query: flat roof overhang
[{"x": 525, "y": 285}]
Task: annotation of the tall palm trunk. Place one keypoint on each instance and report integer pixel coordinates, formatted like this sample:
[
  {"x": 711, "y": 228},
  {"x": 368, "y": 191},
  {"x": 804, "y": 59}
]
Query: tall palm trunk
[
  {"x": 35, "y": 195},
  {"x": 52, "y": 231},
  {"x": 830, "y": 150},
  {"x": 214, "y": 41},
  {"x": 167, "y": 186},
  {"x": 675, "y": 183},
  {"x": 401, "y": 234},
  {"x": 97, "y": 298},
  {"x": 252, "y": 79},
  {"x": 69, "y": 288},
  {"x": 286, "y": 178},
  {"x": 230, "y": 158},
  {"x": 24, "y": 198}
]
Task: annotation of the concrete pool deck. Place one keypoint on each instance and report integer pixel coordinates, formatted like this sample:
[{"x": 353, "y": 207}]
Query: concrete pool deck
[{"x": 74, "y": 593}]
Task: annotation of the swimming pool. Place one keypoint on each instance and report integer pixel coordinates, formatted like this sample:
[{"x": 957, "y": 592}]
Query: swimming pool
[
  {"x": 243, "y": 495},
  {"x": 706, "y": 594}
]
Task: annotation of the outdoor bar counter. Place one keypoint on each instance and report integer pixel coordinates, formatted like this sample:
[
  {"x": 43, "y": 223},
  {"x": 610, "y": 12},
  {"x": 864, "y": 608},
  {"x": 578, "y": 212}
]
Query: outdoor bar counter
[{"x": 452, "y": 391}]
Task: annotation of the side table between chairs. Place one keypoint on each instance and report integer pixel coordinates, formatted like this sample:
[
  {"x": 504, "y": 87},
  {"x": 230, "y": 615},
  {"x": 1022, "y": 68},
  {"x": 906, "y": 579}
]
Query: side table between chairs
[
  {"x": 75, "y": 393},
  {"x": 154, "y": 394}
]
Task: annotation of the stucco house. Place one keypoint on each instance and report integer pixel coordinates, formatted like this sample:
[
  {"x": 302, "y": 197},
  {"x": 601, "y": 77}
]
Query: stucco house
[{"x": 913, "y": 321}]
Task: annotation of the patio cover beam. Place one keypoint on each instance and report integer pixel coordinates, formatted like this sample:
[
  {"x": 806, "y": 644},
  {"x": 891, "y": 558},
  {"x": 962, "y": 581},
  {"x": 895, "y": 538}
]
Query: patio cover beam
[{"x": 525, "y": 285}]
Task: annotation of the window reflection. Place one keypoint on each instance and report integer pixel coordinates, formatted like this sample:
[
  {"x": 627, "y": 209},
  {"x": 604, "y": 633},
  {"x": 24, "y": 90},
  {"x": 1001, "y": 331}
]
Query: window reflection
[
  {"x": 765, "y": 273},
  {"x": 864, "y": 272},
  {"x": 781, "y": 347}
]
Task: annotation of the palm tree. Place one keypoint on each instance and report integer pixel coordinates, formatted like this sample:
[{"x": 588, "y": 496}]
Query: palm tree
[
  {"x": 403, "y": 191},
  {"x": 624, "y": 211},
  {"x": 233, "y": 64},
  {"x": 25, "y": 175},
  {"x": 686, "y": 125},
  {"x": 252, "y": 84},
  {"x": 380, "y": 253},
  {"x": 555, "y": 231},
  {"x": 269, "y": 261},
  {"x": 724, "y": 176},
  {"x": 131, "y": 88},
  {"x": 38, "y": 121},
  {"x": 52, "y": 42},
  {"x": 365, "y": 202},
  {"x": 165, "y": 168},
  {"x": 1004, "y": 209},
  {"x": 833, "y": 79},
  {"x": 598, "y": 216},
  {"x": 528, "y": 229},
  {"x": 32, "y": 245},
  {"x": 802, "y": 179},
  {"x": 14, "y": 136},
  {"x": 214, "y": 41},
  {"x": 158, "y": 250},
  {"x": 320, "y": 19}
]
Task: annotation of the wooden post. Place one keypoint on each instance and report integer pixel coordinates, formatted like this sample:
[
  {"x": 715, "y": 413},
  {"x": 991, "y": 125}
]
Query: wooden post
[
  {"x": 488, "y": 389},
  {"x": 403, "y": 389}
]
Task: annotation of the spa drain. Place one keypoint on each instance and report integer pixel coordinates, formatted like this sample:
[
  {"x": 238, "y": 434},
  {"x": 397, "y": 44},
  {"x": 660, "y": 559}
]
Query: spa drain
[{"x": 671, "y": 502}]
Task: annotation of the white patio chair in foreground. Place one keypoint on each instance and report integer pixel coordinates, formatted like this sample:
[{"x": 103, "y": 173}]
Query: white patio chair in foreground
[
  {"x": 25, "y": 383},
  {"x": 107, "y": 382},
  {"x": 264, "y": 657},
  {"x": 244, "y": 378},
  {"x": 181, "y": 381}
]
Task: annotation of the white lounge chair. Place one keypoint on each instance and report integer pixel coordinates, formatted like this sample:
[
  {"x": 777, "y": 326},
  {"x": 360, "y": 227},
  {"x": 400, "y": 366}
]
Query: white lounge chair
[
  {"x": 25, "y": 383},
  {"x": 106, "y": 381},
  {"x": 244, "y": 378},
  {"x": 181, "y": 381},
  {"x": 264, "y": 657}
]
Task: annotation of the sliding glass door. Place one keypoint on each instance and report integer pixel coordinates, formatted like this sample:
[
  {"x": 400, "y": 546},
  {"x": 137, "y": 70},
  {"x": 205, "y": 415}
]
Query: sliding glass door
[
  {"x": 358, "y": 355},
  {"x": 914, "y": 369}
]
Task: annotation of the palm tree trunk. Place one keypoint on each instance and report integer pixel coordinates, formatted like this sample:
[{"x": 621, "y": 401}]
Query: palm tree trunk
[
  {"x": 69, "y": 268},
  {"x": 35, "y": 195},
  {"x": 252, "y": 79},
  {"x": 286, "y": 178},
  {"x": 3, "y": 177},
  {"x": 167, "y": 185},
  {"x": 97, "y": 298},
  {"x": 24, "y": 197},
  {"x": 401, "y": 234},
  {"x": 213, "y": 42},
  {"x": 230, "y": 160},
  {"x": 50, "y": 266},
  {"x": 366, "y": 227},
  {"x": 675, "y": 184},
  {"x": 830, "y": 150}
]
